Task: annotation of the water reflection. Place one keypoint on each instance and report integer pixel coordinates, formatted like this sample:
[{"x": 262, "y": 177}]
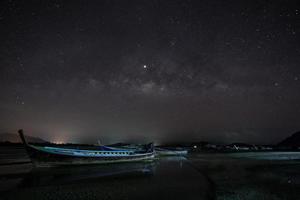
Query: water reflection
[
  {"x": 165, "y": 178},
  {"x": 71, "y": 174}
]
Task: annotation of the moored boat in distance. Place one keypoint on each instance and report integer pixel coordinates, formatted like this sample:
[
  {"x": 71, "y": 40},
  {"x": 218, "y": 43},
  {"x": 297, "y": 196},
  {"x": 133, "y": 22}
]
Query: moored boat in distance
[
  {"x": 170, "y": 151},
  {"x": 46, "y": 155}
]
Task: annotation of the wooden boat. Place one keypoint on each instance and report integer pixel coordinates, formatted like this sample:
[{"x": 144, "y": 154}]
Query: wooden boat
[
  {"x": 170, "y": 151},
  {"x": 53, "y": 156}
]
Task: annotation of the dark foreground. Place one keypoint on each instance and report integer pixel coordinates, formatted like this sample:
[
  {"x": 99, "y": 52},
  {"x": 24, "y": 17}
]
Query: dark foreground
[
  {"x": 239, "y": 176},
  {"x": 199, "y": 176}
]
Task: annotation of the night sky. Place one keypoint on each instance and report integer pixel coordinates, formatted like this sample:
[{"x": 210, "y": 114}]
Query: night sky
[{"x": 147, "y": 70}]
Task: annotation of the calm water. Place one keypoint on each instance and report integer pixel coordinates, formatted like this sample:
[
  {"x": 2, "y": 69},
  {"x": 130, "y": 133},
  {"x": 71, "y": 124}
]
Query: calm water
[{"x": 268, "y": 155}]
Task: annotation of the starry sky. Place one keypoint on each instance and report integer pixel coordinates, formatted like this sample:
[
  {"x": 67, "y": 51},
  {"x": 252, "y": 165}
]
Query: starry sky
[{"x": 150, "y": 70}]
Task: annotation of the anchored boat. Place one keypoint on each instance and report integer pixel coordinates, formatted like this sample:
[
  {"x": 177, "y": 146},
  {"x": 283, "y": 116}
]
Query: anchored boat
[
  {"x": 170, "y": 151},
  {"x": 52, "y": 156}
]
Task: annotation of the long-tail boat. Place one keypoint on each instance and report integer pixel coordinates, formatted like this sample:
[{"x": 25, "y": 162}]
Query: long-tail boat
[
  {"x": 170, "y": 151},
  {"x": 47, "y": 155}
]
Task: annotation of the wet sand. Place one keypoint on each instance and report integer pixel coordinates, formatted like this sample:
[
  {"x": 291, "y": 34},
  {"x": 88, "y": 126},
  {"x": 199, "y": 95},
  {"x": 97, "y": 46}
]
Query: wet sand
[{"x": 251, "y": 176}]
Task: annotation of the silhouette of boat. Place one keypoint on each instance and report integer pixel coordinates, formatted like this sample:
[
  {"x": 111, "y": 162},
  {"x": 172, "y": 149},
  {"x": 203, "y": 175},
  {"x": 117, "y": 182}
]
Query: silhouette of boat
[
  {"x": 47, "y": 155},
  {"x": 170, "y": 151}
]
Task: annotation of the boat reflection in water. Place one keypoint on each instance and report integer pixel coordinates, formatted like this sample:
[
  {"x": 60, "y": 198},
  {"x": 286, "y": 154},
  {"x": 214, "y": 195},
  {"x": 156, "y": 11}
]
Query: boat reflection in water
[
  {"x": 60, "y": 165},
  {"x": 64, "y": 165},
  {"x": 73, "y": 174},
  {"x": 49, "y": 156}
]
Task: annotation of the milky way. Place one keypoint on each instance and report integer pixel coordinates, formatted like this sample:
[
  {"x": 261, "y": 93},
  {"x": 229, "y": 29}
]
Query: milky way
[{"x": 150, "y": 70}]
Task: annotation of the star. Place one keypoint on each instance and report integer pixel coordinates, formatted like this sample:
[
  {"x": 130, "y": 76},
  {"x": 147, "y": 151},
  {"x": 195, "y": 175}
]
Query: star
[{"x": 121, "y": 63}]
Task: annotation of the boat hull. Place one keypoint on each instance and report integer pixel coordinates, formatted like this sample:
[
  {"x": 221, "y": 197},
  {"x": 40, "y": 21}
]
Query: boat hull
[
  {"x": 46, "y": 159},
  {"x": 54, "y": 156},
  {"x": 170, "y": 152}
]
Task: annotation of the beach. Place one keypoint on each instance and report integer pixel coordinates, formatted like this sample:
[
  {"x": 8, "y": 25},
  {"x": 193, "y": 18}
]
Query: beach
[{"x": 196, "y": 176}]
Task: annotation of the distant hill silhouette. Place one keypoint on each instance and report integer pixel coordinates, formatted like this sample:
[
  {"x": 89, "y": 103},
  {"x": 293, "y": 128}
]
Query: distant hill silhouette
[
  {"x": 240, "y": 144},
  {"x": 14, "y": 138},
  {"x": 292, "y": 141}
]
